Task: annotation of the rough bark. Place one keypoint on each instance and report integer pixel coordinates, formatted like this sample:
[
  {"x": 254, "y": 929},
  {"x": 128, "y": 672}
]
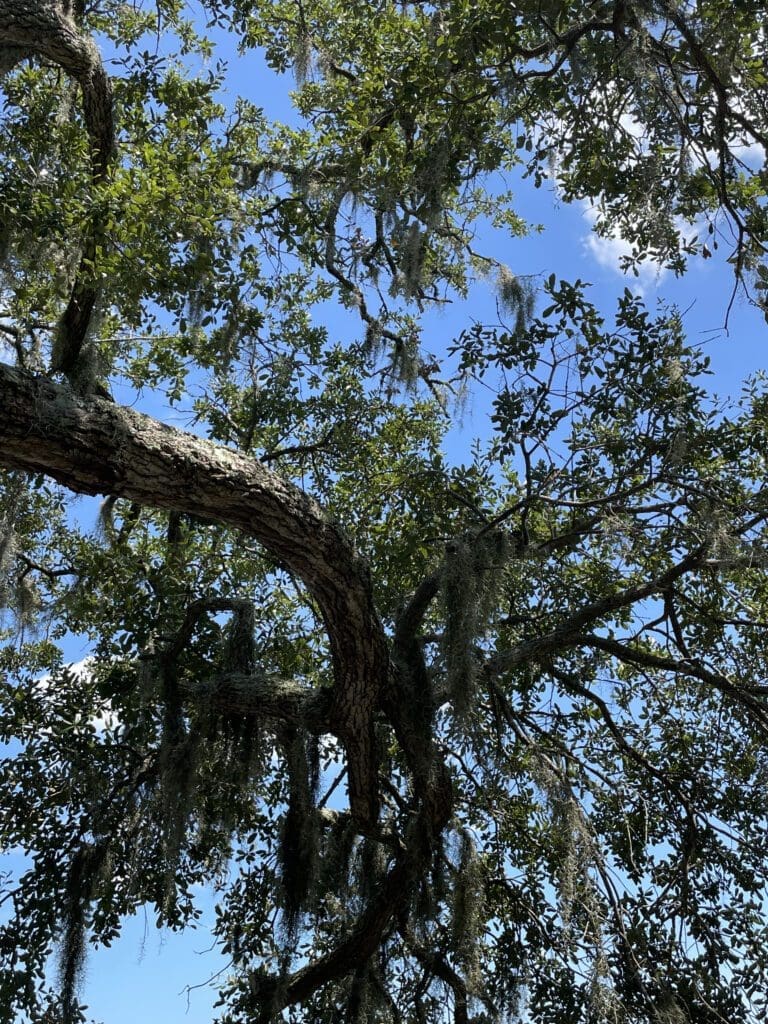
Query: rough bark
[
  {"x": 92, "y": 446},
  {"x": 36, "y": 28},
  {"x": 274, "y": 699},
  {"x": 46, "y": 30}
]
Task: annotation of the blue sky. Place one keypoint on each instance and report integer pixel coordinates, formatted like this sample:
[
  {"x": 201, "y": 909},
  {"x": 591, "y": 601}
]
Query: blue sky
[{"x": 145, "y": 975}]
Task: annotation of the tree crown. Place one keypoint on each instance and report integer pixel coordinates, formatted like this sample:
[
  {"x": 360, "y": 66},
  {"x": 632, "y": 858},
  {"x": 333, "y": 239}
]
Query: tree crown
[{"x": 481, "y": 741}]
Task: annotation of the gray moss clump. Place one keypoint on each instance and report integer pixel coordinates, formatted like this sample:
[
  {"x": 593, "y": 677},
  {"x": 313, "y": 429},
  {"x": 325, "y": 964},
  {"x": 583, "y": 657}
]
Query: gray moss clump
[{"x": 472, "y": 575}]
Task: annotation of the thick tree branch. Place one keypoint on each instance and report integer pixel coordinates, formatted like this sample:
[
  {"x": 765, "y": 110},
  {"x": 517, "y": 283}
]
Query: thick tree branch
[
  {"x": 411, "y": 617},
  {"x": 280, "y": 700},
  {"x": 567, "y": 633},
  {"x": 95, "y": 447},
  {"x": 408, "y": 700},
  {"x": 436, "y": 964},
  {"x": 274, "y": 994},
  {"x": 192, "y": 616},
  {"x": 36, "y": 28}
]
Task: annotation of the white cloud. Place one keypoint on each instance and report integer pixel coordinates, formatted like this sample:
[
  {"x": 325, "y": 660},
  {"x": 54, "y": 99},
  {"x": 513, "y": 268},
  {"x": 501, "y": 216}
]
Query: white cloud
[
  {"x": 635, "y": 128},
  {"x": 753, "y": 155},
  {"x": 608, "y": 251},
  {"x": 106, "y": 717}
]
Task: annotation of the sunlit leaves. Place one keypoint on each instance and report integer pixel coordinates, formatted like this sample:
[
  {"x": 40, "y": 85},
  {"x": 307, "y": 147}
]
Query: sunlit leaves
[{"x": 575, "y": 605}]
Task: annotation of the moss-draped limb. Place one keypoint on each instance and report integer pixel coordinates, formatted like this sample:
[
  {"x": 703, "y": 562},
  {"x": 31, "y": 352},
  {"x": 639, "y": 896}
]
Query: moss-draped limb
[{"x": 95, "y": 447}]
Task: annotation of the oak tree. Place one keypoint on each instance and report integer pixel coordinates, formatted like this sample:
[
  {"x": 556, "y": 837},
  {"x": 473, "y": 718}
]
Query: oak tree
[{"x": 479, "y": 740}]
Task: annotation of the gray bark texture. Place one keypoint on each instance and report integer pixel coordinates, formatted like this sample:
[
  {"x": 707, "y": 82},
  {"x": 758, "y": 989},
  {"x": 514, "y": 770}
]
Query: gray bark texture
[
  {"x": 93, "y": 446},
  {"x": 46, "y": 30},
  {"x": 35, "y": 28},
  {"x": 90, "y": 445}
]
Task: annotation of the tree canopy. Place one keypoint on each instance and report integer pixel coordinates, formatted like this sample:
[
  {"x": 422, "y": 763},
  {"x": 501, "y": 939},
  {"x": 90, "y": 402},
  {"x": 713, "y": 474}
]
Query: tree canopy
[{"x": 470, "y": 741}]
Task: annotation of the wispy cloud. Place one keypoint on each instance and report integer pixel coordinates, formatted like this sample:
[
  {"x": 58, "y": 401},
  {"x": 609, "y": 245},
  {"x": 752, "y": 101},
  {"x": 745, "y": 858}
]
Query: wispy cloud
[{"x": 609, "y": 250}]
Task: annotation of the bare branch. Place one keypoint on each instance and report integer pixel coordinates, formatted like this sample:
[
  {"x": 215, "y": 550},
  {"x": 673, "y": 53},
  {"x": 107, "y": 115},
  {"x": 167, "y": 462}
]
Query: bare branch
[
  {"x": 744, "y": 695},
  {"x": 567, "y": 633}
]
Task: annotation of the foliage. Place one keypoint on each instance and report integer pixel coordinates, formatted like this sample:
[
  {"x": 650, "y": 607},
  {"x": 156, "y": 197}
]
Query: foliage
[{"x": 485, "y": 740}]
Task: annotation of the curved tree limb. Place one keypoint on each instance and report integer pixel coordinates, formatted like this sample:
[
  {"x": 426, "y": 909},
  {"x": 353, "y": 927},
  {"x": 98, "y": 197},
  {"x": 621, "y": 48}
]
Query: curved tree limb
[
  {"x": 92, "y": 446},
  {"x": 36, "y": 28},
  {"x": 436, "y": 964},
  {"x": 409, "y": 700},
  {"x": 434, "y": 799}
]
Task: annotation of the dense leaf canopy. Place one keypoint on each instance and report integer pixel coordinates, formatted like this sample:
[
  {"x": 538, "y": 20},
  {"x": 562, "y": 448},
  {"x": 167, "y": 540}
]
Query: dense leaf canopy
[{"x": 477, "y": 741}]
